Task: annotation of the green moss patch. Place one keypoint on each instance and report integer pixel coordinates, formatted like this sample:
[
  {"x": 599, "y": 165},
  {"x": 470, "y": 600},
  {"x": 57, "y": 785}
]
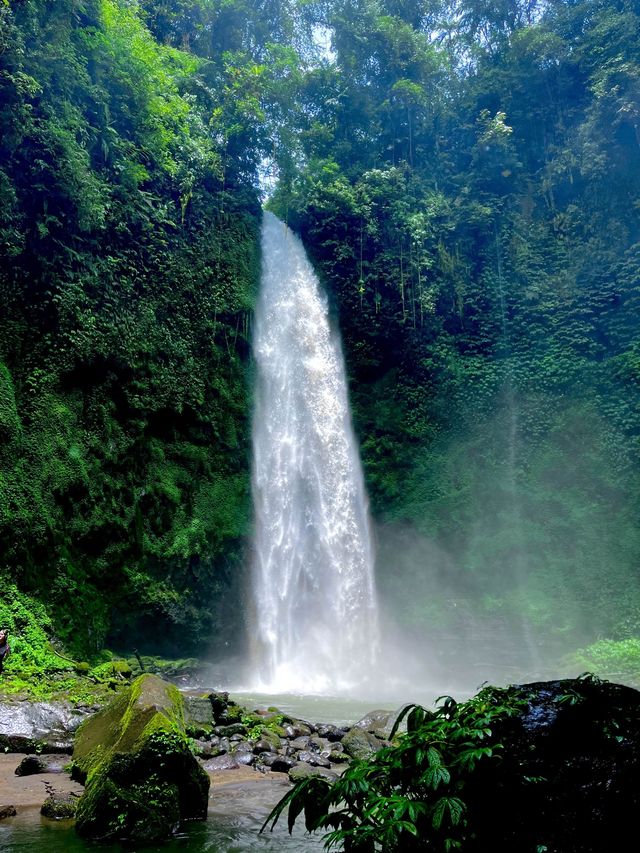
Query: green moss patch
[{"x": 141, "y": 778}]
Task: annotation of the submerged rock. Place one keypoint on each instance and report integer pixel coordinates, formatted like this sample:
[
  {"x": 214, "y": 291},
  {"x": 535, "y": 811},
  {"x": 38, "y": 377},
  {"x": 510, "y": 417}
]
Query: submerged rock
[
  {"x": 7, "y": 811},
  {"x": 59, "y": 806},
  {"x": 141, "y": 778}
]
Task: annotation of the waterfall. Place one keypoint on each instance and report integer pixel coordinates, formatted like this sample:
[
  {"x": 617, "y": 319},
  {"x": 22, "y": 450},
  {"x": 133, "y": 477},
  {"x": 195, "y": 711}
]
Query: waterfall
[{"x": 315, "y": 616}]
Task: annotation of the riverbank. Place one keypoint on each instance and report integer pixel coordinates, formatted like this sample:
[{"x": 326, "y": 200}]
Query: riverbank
[
  {"x": 239, "y": 801},
  {"x": 27, "y": 793}
]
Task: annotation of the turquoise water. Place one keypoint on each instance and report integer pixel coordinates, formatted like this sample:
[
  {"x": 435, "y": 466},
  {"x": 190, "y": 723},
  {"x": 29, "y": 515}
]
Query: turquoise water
[{"x": 236, "y": 813}]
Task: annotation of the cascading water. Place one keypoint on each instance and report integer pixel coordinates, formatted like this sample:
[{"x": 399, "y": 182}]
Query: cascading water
[{"x": 316, "y": 625}]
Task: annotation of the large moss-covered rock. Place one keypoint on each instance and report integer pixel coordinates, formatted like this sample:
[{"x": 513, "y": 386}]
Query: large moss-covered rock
[
  {"x": 141, "y": 778},
  {"x": 358, "y": 743},
  {"x": 568, "y": 775}
]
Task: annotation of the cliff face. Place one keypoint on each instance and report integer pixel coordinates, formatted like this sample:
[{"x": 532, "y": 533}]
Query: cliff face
[{"x": 128, "y": 257}]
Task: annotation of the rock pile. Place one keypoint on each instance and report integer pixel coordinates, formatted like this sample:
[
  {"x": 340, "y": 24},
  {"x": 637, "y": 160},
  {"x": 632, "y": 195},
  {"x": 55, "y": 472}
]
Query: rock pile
[{"x": 276, "y": 742}]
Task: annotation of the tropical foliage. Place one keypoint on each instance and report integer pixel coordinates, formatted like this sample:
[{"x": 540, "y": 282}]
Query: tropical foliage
[{"x": 467, "y": 178}]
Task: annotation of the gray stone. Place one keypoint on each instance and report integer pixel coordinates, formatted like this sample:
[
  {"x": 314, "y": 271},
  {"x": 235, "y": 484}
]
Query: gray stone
[
  {"x": 198, "y": 712},
  {"x": 314, "y": 759},
  {"x": 375, "y": 721},
  {"x": 221, "y": 762},
  {"x": 381, "y": 723},
  {"x": 282, "y": 764},
  {"x": 263, "y": 745},
  {"x": 339, "y": 757},
  {"x": 332, "y": 733},
  {"x": 45, "y": 727},
  {"x": 232, "y": 729},
  {"x": 33, "y": 764},
  {"x": 359, "y": 743},
  {"x": 203, "y": 749},
  {"x": 303, "y": 771},
  {"x": 244, "y": 758},
  {"x": 301, "y": 742}
]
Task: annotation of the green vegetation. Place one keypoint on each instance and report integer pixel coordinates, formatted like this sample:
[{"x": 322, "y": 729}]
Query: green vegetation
[
  {"x": 617, "y": 660},
  {"x": 128, "y": 261},
  {"x": 534, "y": 767},
  {"x": 409, "y": 796},
  {"x": 134, "y": 757},
  {"x": 468, "y": 182}
]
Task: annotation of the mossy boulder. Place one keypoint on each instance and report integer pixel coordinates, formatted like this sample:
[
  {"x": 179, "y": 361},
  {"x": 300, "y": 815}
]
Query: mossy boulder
[
  {"x": 141, "y": 778},
  {"x": 358, "y": 743},
  {"x": 59, "y": 806}
]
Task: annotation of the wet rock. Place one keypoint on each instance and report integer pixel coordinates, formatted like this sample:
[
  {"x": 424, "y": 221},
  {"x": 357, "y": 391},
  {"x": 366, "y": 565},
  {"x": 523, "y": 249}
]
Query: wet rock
[
  {"x": 359, "y": 743},
  {"x": 263, "y": 745},
  {"x": 267, "y": 759},
  {"x": 7, "y": 811},
  {"x": 568, "y": 779},
  {"x": 300, "y": 742},
  {"x": 44, "y": 727},
  {"x": 221, "y": 762},
  {"x": 203, "y": 748},
  {"x": 377, "y": 722},
  {"x": 229, "y": 731},
  {"x": 141, "y": 778},
  {"x": 224, "y": 745},
  {"x": 289, "y": 730},
  {"x": 331, "y": 733},
  {"x": 339, "y": 757},
  {"x": 282, "y": 764},
  {"x": 318, "y": 744},
  {"x": 59, "y": 806},
  {"x": 303, "y": 771},
  {"x": 33, "y": 764},
  {"x": 244, "y": 758},
  {"x": 314, "y": 759},
  {"x": 219, "y": 703}
]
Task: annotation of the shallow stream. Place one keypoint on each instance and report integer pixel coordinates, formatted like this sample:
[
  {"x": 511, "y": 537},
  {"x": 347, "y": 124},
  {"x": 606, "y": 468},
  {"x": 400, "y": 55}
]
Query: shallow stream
[{"x": 236, "y": 813}]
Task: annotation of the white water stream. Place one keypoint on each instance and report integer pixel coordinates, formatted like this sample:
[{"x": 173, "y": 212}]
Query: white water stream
[{"x": 315, "y": 622}]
